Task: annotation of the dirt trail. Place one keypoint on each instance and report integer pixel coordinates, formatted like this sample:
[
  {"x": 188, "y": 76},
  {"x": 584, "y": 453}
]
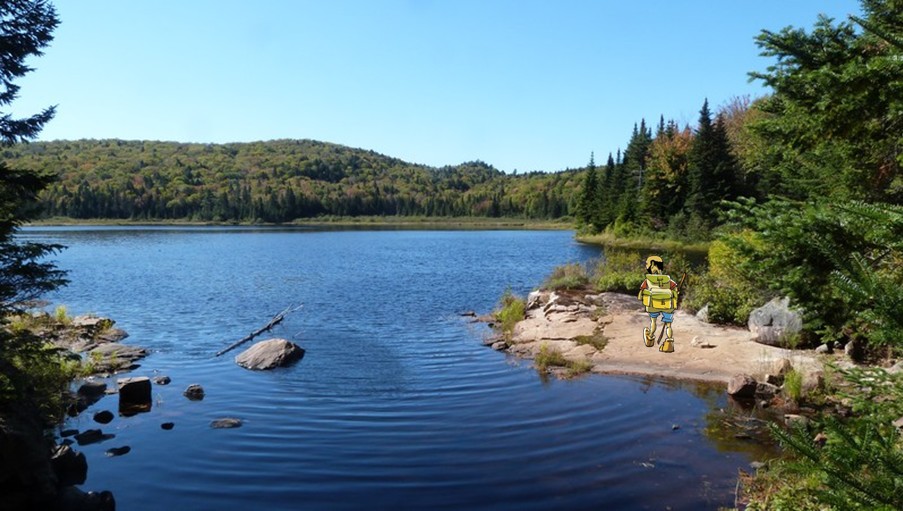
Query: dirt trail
[{"x": 702, "y": 351}]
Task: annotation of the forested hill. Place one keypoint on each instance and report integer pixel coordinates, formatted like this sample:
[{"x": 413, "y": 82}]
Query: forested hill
[{"x": 275, "y": 181}]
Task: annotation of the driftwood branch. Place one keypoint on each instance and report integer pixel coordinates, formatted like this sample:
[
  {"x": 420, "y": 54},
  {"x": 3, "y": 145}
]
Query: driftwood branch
[{"x": 273, "y": 322}]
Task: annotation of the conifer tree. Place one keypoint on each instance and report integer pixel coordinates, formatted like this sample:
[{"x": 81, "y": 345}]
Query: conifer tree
[
  {"x": 587, "y": 203},
  {"x": 25, "y": 366},
  {"x": 25, "y": 28}
]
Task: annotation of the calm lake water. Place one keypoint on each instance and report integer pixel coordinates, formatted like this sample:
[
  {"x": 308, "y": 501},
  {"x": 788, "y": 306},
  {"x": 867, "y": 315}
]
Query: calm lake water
[{"x": 396, "y": 404}]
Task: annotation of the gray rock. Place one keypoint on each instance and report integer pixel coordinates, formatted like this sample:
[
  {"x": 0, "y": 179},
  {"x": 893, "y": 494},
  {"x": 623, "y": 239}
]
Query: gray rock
[
  {"x": 69, "y": 466},
  {"x": 92, "y": 324},
  {"x": 824, "y": 349},
  {"x": 766, "y": 390},
  {"x": 112, "y": 335},
  {"x": 896, "y": 368},
  {"x": 116, "y": 357},
  {"x": 534, "y": 300},
  {"x": 162, "y": 380},
  {"x": 499, "y": 345},
  {"x": 269, "y": 354},
  {"x": 194, "y": 392},
  {"x": 92, "y": 389},
  {"x": 774, "y": 322},
  {"x": 774, "y": 379},
  {"x": 703, "y": 314},
  {"x": 134, "y": 392},
  {"x": 898, "y": 423},
  {"x": 756, "y": 465},
  {"x": 742, "y": 386},
  {"x": 792, "y": 419},
  {"x": 226, "y": 423},
  {"x": 853, "y": 350},
  {"x": 781, "y": 366}
]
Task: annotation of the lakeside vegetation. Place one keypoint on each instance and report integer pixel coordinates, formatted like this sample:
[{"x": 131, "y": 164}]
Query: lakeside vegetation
[{"x": 796, "y": 194}]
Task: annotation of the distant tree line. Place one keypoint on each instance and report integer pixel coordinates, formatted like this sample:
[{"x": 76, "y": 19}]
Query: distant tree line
[{"x": 275, "y": 181}]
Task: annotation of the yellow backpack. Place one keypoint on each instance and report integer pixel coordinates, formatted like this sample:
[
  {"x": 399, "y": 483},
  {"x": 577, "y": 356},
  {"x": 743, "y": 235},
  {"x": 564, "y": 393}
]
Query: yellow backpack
[{"x": 658, "y": 295}]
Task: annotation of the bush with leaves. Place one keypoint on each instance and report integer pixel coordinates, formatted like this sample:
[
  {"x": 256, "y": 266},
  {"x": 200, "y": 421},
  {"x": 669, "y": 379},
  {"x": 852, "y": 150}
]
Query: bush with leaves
[
  {"x": 511, "y": 311},
  {"x": 728, "y": 294},
  {"x": 839, "y": 262},
  {"x": 568, "y": 276}
]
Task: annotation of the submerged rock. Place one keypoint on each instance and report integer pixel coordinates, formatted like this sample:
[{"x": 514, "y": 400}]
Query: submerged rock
[
  {"x": 92, "y": 436},
  {"x": 194, "y": 392},
  {"x": 226, "y": 423},
  {"x": 269, "y": 354},
  {"x": 118, "y": 451}
]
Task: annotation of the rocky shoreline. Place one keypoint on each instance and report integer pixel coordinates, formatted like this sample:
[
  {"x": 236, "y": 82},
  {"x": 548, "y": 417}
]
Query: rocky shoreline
[
  {"x": 603, "y": 332},
  {"x": 38, "y": 470},
  {"x": 40, "y": 467}
]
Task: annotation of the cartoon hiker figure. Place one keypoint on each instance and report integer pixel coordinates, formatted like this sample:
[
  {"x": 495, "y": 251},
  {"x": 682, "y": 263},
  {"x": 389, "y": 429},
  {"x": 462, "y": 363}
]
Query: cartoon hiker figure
[{"x": 659, "y": 295}]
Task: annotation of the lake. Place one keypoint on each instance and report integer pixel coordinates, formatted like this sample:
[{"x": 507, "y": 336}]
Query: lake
[{"x": 397, "y": 404}]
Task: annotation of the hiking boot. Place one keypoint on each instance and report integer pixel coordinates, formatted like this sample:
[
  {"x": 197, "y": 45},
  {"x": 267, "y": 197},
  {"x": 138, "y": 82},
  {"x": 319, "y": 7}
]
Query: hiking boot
[
  {"x": 667, "y": 346},
  {"x": 647, "y": 338}
]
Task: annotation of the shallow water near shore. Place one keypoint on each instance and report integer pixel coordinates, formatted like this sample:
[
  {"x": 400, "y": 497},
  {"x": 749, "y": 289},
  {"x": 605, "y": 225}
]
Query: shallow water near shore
[{"x": 396, "y": 404}]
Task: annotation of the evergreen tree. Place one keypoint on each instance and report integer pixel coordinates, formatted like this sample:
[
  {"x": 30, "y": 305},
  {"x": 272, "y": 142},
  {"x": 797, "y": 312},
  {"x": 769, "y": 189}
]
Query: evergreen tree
[
  {"x": 833, "y": 125},
  {"x": 25, "y": 28},
  {"x": 703, "y": 160},
  {"x": 27, "y": 370},
  {"x": 588, "y": 203},
  {"x": 605, "y": 210}
]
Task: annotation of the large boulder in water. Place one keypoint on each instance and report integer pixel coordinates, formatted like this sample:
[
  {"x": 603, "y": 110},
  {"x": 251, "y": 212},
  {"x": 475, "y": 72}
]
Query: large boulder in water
[
  {"x": 269, "y": 354},
  {"x": 775, "y": 322}
]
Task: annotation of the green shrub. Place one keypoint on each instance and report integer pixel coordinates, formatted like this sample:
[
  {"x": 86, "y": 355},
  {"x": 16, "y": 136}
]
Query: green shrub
[
  {"x": 840, "y": 262},
  {"x": 727, "y": 291},
  {"x": 596, "y": 340},
  {"x": 568, "y": 276},
  {"x": 511, "y": 311},
  {"x": 620, "y": 271},
  {"x": 61, "y": 315},
  {"x": 793, "y": 384},
  {"x": 549, "y": 357}
]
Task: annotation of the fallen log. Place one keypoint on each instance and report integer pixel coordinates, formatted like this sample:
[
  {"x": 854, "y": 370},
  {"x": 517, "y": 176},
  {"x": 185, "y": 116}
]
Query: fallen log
[{"x": 273, "y": 322}]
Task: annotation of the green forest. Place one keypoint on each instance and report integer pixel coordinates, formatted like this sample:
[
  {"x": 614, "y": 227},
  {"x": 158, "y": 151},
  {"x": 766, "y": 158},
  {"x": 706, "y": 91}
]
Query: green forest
[{"x": 275, "y": 181}]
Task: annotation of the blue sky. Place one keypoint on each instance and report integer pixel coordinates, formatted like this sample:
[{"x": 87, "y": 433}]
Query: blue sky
[{"x": 520, "y": 84}]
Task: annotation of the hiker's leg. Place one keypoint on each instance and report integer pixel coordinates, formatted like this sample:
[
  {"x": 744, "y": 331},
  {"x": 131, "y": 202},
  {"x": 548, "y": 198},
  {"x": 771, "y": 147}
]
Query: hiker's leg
[
  {"x": 648, "y": 333},
  {"x": 668, "y": 345}
]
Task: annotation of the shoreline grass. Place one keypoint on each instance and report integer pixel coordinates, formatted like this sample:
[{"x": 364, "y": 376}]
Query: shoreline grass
[
  {"x": 329, "y": 221},
  {"x": 609, "y": 240}
]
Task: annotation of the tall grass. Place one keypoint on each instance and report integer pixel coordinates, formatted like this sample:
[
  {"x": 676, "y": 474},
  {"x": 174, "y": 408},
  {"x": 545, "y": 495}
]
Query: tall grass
[
  {"x": 568, "y": 276},
  {"x": 512, "y": 309}
]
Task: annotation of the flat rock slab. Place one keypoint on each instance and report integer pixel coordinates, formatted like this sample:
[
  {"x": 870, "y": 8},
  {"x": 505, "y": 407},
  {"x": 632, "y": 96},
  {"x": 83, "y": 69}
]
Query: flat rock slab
[
  {"x": 622, "y": 323},
  {"x": 226, "y": 423},
  {"x": 269, "y": 354}
]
